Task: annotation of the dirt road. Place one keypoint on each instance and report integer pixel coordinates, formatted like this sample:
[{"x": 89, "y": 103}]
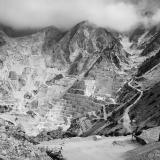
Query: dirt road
[{"x": 89, "y": 149}]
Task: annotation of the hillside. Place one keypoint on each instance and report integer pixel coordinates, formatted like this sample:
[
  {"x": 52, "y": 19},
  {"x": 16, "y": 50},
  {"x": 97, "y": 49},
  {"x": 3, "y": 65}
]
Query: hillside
[
  {"x": 51, "y": 76},
  {"x": 81, "y": 82}
]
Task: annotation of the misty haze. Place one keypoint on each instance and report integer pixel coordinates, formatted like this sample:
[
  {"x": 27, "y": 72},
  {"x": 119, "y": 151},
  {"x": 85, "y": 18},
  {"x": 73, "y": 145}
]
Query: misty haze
[{"x": 79, "y": 79}]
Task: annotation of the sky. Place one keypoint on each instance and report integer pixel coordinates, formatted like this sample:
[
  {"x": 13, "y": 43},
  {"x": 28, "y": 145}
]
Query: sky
[{"x": 120, "y": 15}]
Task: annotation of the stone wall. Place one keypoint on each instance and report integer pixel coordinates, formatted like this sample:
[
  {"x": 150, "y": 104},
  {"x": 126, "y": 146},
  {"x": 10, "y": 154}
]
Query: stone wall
[{"x": 78, "y": 105}]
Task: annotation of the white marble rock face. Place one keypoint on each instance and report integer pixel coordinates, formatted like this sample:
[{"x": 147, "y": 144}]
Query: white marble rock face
[{"x": 37, "y": 77}]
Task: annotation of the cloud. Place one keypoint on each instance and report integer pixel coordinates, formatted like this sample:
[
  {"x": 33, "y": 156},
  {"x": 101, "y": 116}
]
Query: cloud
[
  {"x": 156, "y": 17},
  {"x": 121, "y": 15}
]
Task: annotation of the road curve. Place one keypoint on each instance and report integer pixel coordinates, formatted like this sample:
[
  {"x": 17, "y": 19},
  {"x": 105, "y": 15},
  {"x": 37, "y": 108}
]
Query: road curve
[{"x": 126, "y": 118}]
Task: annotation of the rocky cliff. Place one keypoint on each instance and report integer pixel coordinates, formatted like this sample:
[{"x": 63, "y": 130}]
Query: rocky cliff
[
  {"x": 49, "y": 77},
  {"x": 84, "y": 81},
  {"x": 139, "y": 97},
  {"x": 97, "y": 79}
]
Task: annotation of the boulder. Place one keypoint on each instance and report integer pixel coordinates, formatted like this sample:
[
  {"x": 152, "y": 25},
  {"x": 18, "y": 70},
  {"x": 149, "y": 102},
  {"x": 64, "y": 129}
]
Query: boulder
[
  {"x": 34, "y": 104},
  {"x": 149, "y": 136},
  {"x": 58, "y": 77},
  {"x": 97, "y": 137},
  {"x": 50, "y": 82},
  {"x": 1, "y": 64},
  {"x": 12, "y": 75},
  {"x": 27, "y": 95},
  {"x": 22, "y": 81}
]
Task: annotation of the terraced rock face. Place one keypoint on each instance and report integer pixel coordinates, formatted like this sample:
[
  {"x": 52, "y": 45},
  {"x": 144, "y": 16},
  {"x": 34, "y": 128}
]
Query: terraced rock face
[
  {"x": 142, "y": 106},
  {"x": 39, "y": 72},
  {"x": 138, "y": 100},
  {"x": 143, "y": 38}
]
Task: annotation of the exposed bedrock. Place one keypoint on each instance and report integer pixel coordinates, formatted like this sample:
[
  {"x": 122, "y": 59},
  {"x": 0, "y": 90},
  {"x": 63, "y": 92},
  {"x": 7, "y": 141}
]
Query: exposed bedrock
[
  {"x": 139, "y": 104},
  {"x": 40, "y": 75}
]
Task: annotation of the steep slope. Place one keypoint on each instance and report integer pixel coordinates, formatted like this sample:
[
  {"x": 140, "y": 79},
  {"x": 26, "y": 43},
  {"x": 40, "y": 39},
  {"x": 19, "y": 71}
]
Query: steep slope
[
  {"x": 13, "y": 32},
  {"x": 40, "y": 74},
  {"x": 152, "y": 45},
  {"x": 141, "y": 37},
  {"x": 137, "y": 103},
  {"x": 143, "y": 106}
]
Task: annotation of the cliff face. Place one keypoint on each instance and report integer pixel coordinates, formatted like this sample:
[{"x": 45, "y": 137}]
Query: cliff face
[
  {"x": 142, "y": 37},
  {"x": 146, "y": 111},
  {"x": 139, "y": 97},
  {"x": 51, "y": 76}
]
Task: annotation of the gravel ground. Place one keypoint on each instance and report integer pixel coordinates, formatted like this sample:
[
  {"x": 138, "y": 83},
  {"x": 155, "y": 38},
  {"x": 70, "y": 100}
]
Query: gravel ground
[{"x": 106, "y": 148}]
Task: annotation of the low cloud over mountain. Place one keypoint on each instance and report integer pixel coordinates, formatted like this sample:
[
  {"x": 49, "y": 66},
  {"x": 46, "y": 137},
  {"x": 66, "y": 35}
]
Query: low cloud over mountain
[{"x": 121, "y": 15}]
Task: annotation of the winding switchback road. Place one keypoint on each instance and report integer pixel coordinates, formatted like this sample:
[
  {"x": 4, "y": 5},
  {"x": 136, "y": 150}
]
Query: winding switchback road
[{"x": 126, "y": 118}]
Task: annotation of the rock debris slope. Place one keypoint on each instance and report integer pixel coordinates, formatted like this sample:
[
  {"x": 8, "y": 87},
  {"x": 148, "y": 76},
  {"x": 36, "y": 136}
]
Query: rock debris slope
[
  {"x": 85, "y": 81},
  {"x": 139, "y": 98},
  {"x": 50, "y": 76}
]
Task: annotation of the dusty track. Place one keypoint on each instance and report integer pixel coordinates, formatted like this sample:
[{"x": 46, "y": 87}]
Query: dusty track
[
  {"x": 126, "y": 118},
  {"x": 88, "y": 149}
]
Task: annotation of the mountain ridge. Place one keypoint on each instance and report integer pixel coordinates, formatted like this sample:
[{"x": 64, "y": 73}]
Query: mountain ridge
[{"x": 64, "y": 75}]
